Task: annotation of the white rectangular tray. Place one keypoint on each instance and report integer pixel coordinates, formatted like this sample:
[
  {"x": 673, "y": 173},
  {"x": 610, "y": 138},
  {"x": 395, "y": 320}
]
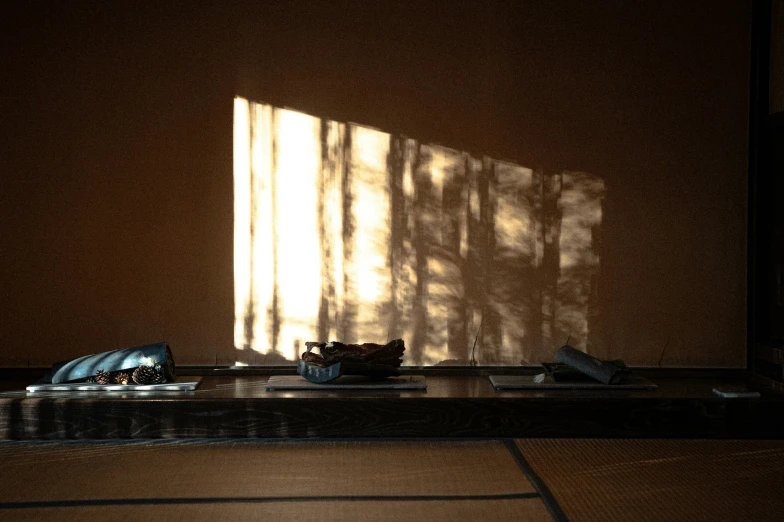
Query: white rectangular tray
[
  {"x": 85, "y": 386},
  {"x": 348, "y": 382},
  {"x": 529, "y": 382}
]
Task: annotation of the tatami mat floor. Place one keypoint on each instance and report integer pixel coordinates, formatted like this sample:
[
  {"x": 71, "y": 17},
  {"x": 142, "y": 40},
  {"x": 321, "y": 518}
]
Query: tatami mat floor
[
  {"x": 392, "y": 480},
  {"x": 662, "y": 479}
]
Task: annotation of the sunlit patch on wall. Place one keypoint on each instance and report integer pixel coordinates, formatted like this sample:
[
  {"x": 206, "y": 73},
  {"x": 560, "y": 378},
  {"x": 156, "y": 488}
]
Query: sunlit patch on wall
[{"x": 346, "y": 232}]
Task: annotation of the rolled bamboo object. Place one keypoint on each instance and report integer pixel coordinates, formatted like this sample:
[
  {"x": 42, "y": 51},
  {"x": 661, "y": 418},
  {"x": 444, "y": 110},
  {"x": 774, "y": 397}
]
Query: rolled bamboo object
[{"x": 125, "y": 359}]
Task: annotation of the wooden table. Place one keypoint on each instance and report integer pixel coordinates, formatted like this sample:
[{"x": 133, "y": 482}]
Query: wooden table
[{"x": 453, "y": 406}]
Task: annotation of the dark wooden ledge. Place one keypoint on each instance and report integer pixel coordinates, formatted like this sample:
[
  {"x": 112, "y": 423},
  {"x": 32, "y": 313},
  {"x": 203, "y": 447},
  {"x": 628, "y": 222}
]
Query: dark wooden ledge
[{"x": 239, "y": 406}]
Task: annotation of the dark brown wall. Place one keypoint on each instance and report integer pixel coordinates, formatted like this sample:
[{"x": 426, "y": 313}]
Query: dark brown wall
[
  {"x": 777, "y": 56},
  {"x": 116, "y": 197}
]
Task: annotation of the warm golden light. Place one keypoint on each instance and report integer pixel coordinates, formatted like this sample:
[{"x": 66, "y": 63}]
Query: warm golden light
[
  {"x": 346, "y": 232},
  {"x": 242, "y": 220}
]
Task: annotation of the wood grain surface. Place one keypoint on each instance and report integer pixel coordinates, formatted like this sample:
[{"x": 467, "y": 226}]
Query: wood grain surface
[{"x": 451, "y": 407}]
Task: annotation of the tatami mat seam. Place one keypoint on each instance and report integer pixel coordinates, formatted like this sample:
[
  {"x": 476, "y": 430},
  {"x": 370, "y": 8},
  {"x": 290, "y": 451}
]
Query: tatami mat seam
[
  {"x": 226, "y": 500},
  {"x": 541, "y": 487}
]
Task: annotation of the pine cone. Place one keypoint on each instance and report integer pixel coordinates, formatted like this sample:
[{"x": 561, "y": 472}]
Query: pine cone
[
  {"x": 158, "y": 377},
  {"x": 149, "y": 375},
  {"x": 102, "y": 377},
  {"x": 90, "y": 380},
  {"x": 142, "y": 375},
  {"x": 121, "y": 377}
]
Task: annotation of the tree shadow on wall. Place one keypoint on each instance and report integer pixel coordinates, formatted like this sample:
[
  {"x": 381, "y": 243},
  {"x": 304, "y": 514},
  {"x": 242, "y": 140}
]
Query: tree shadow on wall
[{"x": 449, "y": 243}]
